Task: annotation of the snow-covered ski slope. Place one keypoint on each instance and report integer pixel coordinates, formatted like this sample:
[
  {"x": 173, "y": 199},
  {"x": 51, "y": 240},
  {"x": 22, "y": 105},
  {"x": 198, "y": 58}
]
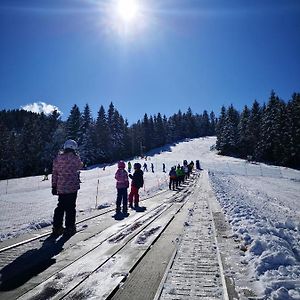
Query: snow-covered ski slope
[{"x": 260, "y": 202}]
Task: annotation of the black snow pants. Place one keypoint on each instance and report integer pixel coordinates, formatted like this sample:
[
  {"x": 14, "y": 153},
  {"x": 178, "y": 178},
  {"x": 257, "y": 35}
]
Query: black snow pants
[
  {"x": 66, "y": 205},
  {"x": 122, "y": 197}
]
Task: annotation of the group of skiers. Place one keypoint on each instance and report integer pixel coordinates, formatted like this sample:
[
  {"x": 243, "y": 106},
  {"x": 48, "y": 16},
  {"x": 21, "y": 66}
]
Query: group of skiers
[
  {"x": 178, "y": 174},
  {"x": 66, "y": 183}
]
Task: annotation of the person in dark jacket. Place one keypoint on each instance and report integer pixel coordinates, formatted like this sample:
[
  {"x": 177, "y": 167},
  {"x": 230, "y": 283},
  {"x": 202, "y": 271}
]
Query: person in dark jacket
[
  {"x": 65, "y": 184},
  {"x": 136, "y": 183},
  {"x": 173, "y": 178}
]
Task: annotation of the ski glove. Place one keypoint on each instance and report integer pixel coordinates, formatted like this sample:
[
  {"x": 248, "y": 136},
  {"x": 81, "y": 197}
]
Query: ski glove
[{"x": 54, "y": 191}]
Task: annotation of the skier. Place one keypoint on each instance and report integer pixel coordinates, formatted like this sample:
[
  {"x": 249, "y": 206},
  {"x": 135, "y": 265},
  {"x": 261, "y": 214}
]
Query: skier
[
  {"x": 198, "y": 167},
  {"x": 173, "y": 178},
  {"x": 46, "y": 172},
  {"x": 145, "y": 167},
  {"x": 129, "y": 167},
  {"x": 137, "y": 182},
  {"x": 152, "y": 168},
  {"x": 186, "y": 172},
  {"x": 65, "y": 184},
  {"x": 180, "y": 175},
  {"x": 164, "y": 168},
  {"x": 191, "y": 167},
  {"x": 122, "y": 185}
]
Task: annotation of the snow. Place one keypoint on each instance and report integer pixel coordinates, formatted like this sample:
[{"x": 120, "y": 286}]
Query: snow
[{"x": 260, "y": 202}]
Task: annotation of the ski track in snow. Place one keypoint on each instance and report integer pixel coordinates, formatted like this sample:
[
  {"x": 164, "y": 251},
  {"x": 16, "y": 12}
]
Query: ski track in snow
[
  {"x": 268, "y": 230},
  {"x": 260, "y": 202}
]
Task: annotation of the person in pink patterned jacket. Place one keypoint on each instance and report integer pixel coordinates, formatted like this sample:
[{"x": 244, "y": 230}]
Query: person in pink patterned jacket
[
  {"x": 65, "y": 184},
  {"x": 122, "y": 185}
]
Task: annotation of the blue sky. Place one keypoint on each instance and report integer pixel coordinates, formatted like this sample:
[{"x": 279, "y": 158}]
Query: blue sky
[{"x": 172, "y": 55}]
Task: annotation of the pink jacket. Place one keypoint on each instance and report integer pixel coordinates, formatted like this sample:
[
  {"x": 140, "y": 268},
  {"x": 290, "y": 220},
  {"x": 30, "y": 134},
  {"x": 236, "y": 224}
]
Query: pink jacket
[
  {"x": 65, "y": 174},
  {"x": 122, "y": 179}
]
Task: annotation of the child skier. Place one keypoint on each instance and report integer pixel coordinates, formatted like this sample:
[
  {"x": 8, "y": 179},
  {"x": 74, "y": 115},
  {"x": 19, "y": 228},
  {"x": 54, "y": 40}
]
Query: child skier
[
  {"x": 122, "y": 185},
  {"x": 137, "y": 182},
  {"x": 65, "y": 184},
  {"x": 129, "y": 167}
]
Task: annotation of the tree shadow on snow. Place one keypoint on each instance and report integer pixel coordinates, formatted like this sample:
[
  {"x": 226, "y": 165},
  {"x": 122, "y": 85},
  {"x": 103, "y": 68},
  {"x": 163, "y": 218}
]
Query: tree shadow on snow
[{"x": 30, "y": 264}]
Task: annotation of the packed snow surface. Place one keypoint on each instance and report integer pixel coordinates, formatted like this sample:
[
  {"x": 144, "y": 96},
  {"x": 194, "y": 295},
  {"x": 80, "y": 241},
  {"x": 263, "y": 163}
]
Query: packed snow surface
[{"x": 260, "y": 202}]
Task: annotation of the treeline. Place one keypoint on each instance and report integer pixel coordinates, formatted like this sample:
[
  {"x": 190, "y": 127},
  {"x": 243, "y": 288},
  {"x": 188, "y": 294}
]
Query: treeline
[
  {"x": 269, "y": 133},
  {"x": 29, "y": 142}
]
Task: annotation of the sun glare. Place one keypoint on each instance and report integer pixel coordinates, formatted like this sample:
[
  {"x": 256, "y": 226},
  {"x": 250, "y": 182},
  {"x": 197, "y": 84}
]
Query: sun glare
[
  {"x": 127, "y": 10},
  {"x": 126, "y": 18}
]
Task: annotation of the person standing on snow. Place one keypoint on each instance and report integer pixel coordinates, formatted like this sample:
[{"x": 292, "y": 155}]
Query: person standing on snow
[
  {"x": 129, "y": 167},
  {"x": 152, "y": 168},
  {"x": 145, "y": 167},
  {"x": 46, "y": 173},
  {"x": 65, "y": 184},
  {"x": 122, "y": 185},
  {"x": 137, "y": 182},
  {"x": 173, "y": 178}
]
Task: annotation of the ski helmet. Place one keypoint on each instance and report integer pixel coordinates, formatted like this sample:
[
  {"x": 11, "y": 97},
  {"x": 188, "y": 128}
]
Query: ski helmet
[
  {"x": 137, "y": 166},
  {"x": 121, "y": 164},
  {"x": 70, "y": 144}
]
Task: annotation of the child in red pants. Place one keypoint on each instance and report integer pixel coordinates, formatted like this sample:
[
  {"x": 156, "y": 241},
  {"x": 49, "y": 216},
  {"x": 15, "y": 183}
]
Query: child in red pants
[{"x": 137, "y": 182}]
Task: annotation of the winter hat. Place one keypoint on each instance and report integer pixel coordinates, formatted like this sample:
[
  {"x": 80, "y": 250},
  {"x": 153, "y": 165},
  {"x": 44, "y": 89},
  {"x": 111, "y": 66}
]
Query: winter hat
[
  {"x": 70, "y": 144},
  {"x": 121, "y": 164},
  {"x": 137, "y": 166}
]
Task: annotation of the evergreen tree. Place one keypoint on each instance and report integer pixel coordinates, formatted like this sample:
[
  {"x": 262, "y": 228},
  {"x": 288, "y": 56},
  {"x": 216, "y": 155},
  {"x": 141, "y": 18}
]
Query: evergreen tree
[
  {"x": 254, "y": 128},
  {"x": 87, "y": 147},
  {"x": 212, "y": 127},
  {"x": 102, "y": 136},
  {"x": 220, "y": 143},
  {"x": 73, "y": 125},
  {"x": 189, "y": 127},
  {"x": 205, "y": 126},
  {"x": 292, "y": 132},
  {"x": 229, "y": 132},
  {"x": 147, "y": 134},
  {"x": 160, "y": 131},
  {"x": 270, "y": 146},
  {"x": 244, "y": 139}
]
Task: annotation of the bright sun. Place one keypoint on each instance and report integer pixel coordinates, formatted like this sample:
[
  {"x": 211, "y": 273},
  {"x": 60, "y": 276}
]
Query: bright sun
[{"x": 127, "y": 10}]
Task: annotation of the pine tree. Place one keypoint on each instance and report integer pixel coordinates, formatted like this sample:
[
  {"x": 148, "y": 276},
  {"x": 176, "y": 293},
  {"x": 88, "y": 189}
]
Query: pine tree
[
  {"x": 292, "y": 132},
  {"x": 205, "y": 124},
  {"x": 87, "y": 148},
  {"x": 270, "y": 147},
  {"x": 244, "y": 141},
  {"x": 212, "y": 128},
  {"x": 254, "y": 128},
  {"x": 147, "y": 134},
  {"x": 228, "y": 131},
  {"x": 159, "y": 131},
  {"x": 102, "y": 136},
  {"x": 220, "y": 143},
  {"x": 74, "y": 124},
  {"x": 189, "y": 127}
]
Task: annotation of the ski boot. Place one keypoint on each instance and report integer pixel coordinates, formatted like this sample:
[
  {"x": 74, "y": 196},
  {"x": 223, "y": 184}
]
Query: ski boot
[
  {"x": 69, "y": 231},
  {"x": 125, "y": 213},
  {"x": 56, "y": 232}
]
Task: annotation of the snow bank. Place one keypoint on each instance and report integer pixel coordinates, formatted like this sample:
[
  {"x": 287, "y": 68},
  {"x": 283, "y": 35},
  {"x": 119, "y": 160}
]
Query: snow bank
[{"x": 271, "y": 248}]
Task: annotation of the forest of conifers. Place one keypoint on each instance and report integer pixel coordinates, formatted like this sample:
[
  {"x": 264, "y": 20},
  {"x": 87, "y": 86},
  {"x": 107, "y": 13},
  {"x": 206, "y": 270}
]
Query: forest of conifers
[{"x": 29, "y": 142}]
